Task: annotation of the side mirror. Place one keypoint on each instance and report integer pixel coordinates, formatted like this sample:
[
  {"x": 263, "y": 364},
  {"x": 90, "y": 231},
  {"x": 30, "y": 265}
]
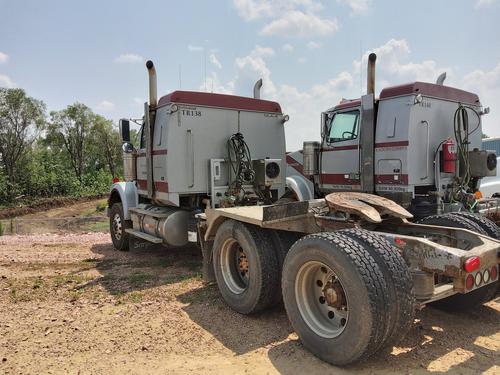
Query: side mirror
[
  {"x": 125, "y": 130},
  {"x": 323, "y": 125}
]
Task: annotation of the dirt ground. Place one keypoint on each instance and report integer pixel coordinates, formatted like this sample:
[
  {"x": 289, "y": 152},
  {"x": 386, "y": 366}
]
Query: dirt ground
[{"x": 71, "y": 304}]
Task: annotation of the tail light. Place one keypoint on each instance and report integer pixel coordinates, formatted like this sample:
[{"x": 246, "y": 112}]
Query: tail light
[
  {"x": 116, "y": 179},
  {"x": 472, "y": 264},
  {"x": 469, "y": 282}
]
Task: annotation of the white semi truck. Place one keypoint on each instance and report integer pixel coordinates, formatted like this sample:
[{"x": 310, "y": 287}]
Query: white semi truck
[{"x": 350, "y": 267}]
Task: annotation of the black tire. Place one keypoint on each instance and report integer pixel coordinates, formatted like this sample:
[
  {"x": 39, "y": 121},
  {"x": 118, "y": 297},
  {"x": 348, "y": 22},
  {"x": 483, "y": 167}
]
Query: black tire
[
  {"x": 363, "y": 330},
  {"x": 462, "y": 302},
  {"x": 117, "y": 226},
  {"x": 282, "y": 242},
  {"x": 454, "y": 221},
  {"x": 257, "y": 290},
  {"x": 486, "y": 224},
  {"x": 398, "y": 279}
]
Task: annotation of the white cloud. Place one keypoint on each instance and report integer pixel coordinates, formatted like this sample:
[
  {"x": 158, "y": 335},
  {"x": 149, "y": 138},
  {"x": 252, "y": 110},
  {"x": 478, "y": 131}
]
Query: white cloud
[
  {"x": 358, "y": 6},
  {"x": 287, "y": 47},
  {"x": 287, "y": 17},
  {"x": 106, "y": 106},
  {"x": 484, "y": 3},
  {"x": 3, "y": 57},
  {"x": 314, "y": 45},
  {"x": 213, "y": 59},
  {"x": 262, "y": 51},
  {"x": 301, "y": 60},
  {"x": 5, "y": 81},
  {"x": 215, "y": 85},
  {"x": 253, "y": 67},
  {"x": 129, "y": 58},
  {"x": 393, "y": 66},
  {"x": 251, "y": 10},
  {"x": 487, "y": 85},
  {"x": 139, "y": 101},
  {"x": 297, "y": 23},
  {"x": 192, "y": 48}
]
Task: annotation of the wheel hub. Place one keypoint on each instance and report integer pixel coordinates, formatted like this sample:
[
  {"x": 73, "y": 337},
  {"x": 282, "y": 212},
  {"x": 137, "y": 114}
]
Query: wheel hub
[
  {"x": 117, "y": 226},
  {"x": 321, "y": 299},
  {"x": 334, "y": 295},
  {"x": 234, "y": 266}
]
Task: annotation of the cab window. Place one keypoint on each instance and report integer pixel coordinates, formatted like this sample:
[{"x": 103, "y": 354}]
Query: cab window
[{"x": 344, "y": 126}]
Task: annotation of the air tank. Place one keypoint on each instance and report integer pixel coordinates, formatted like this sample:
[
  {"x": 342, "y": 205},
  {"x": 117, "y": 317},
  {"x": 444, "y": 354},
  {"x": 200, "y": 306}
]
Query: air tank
[{"x": 310, "y": 152}]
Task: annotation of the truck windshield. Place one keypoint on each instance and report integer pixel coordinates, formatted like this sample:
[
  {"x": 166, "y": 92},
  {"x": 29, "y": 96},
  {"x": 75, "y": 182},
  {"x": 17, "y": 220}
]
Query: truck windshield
[{"x": 344, "y": 126}]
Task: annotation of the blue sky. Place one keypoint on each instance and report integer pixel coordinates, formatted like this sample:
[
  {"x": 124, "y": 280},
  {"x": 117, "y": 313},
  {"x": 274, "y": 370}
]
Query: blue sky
[{"x": 307, "y": 51}]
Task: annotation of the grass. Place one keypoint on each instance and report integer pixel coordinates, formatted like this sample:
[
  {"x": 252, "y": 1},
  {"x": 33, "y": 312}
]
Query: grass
[{"x": 98, "y": 226}]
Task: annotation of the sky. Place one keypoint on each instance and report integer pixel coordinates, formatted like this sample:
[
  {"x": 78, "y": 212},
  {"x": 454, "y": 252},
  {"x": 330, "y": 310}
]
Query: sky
[{"x": 309, "y": 53}]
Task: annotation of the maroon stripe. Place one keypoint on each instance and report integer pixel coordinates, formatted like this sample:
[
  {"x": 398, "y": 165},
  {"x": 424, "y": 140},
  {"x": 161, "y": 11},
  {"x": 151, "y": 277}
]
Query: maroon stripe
[
  {"x": 142, "y": 184},
  {"x": 391, "y": 144},
  {"x": 161, "y": 186},
  {"x": 155, "y": 152},
  {"x": 388, "y": 179},
  {"x": 341, "y": 148},
  {"x": 337, "y": 179},
  {"x": 160, "y": 152},
  {"x": 295, "y": 164}
]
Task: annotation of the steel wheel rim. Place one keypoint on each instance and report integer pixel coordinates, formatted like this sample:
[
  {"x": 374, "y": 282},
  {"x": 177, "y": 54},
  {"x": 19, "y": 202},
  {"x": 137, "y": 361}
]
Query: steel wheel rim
[
  {"x": 117, "y": 226},
  {"x": 234, "y": 266},
  {"x": 325, "y": 312}
]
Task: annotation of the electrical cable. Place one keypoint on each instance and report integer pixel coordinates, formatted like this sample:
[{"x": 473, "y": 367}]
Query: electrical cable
[{"x": 240, "y": 162}]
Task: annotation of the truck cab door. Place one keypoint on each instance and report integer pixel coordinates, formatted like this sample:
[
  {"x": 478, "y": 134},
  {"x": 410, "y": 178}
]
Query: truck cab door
[
  {"x": 340, "y": 169},
  {"x": 141, "y": 163}
]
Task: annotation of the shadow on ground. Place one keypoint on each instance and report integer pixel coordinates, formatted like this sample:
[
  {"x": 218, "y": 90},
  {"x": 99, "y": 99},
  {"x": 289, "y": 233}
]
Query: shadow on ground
[
  {"x": 239, "y": 333},
  {"x": 440, "y": 342},
  {"x": 143, "y": 266}
]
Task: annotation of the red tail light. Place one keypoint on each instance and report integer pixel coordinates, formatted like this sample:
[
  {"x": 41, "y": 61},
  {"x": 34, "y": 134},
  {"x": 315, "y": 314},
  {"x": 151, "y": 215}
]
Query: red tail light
[
  {"x": 116, "y": 179},
  {"x": 493, "y": 273},
  {"x": 469, "y": 282},
  {"x": 472, "y": 264}
]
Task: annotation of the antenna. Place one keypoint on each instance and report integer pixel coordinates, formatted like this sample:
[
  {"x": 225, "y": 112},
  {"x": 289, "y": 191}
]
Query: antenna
[
  {"x": 360, "y": 68},
  {"x": 180, "y": 76},
  {"x": 205, "y": 66}
]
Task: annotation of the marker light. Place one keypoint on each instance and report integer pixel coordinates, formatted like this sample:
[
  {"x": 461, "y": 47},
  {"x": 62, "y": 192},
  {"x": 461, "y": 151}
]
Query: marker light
[
  {"x": 486, "y": 276},
  {"x": 472, "y": 264},
  {"x": 469, "y": 281},
  {"x": 478, "y": 279},
  {"x": 493, "y": 273}
]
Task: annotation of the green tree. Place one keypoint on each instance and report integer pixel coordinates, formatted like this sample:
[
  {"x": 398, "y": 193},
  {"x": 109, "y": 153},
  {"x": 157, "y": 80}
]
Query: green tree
[
  {"x": 107, "y": 144},
  {"x": 21, "y": 119},
  {"x": 71, "y": 128}
]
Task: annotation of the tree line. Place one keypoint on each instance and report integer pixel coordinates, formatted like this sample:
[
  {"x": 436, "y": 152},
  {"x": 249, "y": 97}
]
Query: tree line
[{"x": 71, "y": 152}]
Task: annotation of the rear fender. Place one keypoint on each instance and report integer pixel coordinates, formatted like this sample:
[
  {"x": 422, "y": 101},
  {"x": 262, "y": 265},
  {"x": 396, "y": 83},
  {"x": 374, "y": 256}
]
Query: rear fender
[
  {"x": 301, "y": 187},
  {"x": 126, "y": 193}
]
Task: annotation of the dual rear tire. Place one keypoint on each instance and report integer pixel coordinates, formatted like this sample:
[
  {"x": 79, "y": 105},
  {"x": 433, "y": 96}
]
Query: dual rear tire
[{"x": 347, "y": 293}]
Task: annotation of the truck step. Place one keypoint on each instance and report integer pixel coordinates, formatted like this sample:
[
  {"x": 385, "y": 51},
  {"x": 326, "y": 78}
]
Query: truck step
[
  {"x": 140, "y": 211},
  {"x": 144, "y": 236}
]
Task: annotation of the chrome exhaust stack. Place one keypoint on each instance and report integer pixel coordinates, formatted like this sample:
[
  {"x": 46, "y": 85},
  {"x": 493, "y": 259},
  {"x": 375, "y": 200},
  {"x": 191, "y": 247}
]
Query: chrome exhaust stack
[
  {"x": 153, "y": 91},
  {"x": 370, "y": 84},
  {"x": 256, "y": 89}
]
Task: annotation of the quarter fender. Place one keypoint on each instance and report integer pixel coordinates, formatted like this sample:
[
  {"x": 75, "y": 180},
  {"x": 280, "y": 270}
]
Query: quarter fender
[
  {"x": 127, "y": 193},
  {"x": 301, "y": 186}
]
